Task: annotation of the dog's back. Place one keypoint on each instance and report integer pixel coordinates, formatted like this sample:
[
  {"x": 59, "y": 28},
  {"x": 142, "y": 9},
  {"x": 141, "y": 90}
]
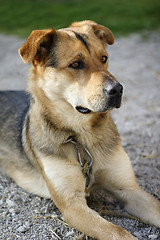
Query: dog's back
[{"x": 13, "y": 109}]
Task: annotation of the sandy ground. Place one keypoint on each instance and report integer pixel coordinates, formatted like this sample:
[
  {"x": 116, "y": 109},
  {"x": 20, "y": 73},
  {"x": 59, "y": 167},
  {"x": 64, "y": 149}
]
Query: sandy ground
[{"x": 135, "y": 61}]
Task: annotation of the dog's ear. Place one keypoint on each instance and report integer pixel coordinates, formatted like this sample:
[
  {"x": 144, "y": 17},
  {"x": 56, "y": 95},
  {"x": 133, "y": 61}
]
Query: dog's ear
[
  {"x": 103, "y": 33},
  {"x": 37, "y": 46}
]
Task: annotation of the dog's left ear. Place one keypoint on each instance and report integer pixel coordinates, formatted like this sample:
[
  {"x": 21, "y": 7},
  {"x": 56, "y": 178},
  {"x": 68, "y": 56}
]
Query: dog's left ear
[
  {"x": 37, "y": 47},
  {"x": 103, "y": 33}
]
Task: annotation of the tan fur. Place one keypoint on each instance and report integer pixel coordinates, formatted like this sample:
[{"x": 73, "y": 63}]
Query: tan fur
[{"x": 52, "y": 118}]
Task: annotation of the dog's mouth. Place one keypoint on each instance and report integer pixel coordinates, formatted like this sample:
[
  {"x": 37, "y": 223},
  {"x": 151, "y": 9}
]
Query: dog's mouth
[
  {"x": 107, "y": 105},
  {"x": 83, "y": 110}
]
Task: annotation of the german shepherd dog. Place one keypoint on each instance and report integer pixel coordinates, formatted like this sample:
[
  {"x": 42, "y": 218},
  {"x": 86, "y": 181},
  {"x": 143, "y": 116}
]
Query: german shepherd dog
[{"x": 59, "y": 140}]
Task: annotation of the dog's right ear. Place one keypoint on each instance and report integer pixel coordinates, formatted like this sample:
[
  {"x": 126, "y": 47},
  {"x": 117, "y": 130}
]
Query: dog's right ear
[{"x": 37, "y": 47}]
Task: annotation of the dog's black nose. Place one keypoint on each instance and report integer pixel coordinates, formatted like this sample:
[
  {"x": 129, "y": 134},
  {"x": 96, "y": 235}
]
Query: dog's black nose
[
  {"x": 114, "y": 89},
  {"x": 113, "y": 92}
]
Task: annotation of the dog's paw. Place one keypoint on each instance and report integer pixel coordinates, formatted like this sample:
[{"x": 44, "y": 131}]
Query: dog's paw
[
  {"x": 122, "y": 234},
  {"x": 115, "y": 233}
]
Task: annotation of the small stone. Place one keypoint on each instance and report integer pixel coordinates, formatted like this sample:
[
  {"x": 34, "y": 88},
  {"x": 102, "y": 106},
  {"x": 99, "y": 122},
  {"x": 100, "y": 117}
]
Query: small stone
[
  {"x": 17, "y": 211},
  {"x": 137, "y": 234},
  {"x": 11, "y": 210},
  {"x": 27, "y": 225},
  {"x": 70, "y": 233},
  {"x": 154, "y": 229},
  {"x": 124, "y": 144},
  {"x": 10, "y": 203},
  {"x": 54, "y": 216},
  {"x": 153, "y": 236},
  {"x": 21, "y": 229}
]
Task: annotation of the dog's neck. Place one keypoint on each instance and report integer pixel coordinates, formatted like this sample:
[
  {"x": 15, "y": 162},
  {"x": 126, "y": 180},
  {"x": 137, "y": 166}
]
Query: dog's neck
[{"x": 60, "y": 124}]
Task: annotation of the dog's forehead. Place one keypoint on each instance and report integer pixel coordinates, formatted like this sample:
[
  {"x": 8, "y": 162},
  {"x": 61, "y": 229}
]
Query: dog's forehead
[
  {"x": 73, "y": 38},
  {"x": 75, "y": 33}
]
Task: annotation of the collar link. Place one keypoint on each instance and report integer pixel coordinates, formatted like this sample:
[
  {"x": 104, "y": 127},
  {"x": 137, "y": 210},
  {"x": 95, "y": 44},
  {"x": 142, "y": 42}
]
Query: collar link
[{"x": 84, "y": 157}]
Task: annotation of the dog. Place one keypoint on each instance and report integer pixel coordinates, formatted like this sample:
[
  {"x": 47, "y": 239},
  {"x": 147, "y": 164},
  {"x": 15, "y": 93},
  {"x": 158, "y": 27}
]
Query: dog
[{"x": 58, "y": 140}]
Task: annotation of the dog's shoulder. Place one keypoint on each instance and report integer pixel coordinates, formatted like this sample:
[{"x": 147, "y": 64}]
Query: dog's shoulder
[
  {"x": 14, "y": 106},
  {"x": 13, "y": 98}
]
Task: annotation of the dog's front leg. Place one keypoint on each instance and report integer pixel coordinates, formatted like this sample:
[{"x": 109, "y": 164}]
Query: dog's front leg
[
  {"x": 118, "y": 177},
  {"x": 67, "y": 188}
]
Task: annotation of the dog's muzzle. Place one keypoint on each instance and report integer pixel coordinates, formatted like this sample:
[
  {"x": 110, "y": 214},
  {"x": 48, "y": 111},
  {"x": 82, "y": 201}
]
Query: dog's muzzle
[{"x": 109, "y": 98}]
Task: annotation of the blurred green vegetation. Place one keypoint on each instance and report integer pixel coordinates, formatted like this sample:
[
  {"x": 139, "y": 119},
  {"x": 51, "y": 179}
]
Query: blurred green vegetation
[{"x": 20, "y": 17}]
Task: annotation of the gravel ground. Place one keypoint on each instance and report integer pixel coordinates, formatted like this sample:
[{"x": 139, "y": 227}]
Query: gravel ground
[{"x": 135, "y": 61}]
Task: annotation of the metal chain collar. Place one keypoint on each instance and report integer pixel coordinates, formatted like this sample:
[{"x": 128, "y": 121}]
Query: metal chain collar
[{"x": 84, "y": 158}]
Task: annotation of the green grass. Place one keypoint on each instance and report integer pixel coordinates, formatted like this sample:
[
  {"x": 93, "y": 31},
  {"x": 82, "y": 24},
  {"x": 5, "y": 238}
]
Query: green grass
[{"x": 20, "y": 17}]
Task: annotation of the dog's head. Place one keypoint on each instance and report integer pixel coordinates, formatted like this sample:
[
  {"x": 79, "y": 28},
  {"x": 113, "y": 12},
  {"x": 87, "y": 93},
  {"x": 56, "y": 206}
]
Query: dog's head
[{"x": 71, "y": 65}]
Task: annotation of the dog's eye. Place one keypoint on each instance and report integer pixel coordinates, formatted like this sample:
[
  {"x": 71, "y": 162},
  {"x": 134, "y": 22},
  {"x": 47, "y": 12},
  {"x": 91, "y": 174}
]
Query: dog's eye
[
  {"x": 77, "y": 65},
  {"x": 104, "y": 59}
]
